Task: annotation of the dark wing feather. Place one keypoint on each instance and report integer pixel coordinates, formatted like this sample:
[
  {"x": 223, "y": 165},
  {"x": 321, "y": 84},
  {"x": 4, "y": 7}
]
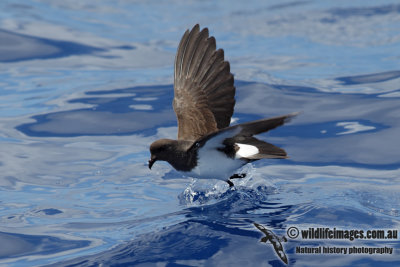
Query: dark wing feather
[
  {"x": 203, "y": 86},
  {"x": 275, "y": 241},
  {"x": 266, "y": 150},
  {"x": 243, "y": 133},
  {"x": 263, "y": 125}
]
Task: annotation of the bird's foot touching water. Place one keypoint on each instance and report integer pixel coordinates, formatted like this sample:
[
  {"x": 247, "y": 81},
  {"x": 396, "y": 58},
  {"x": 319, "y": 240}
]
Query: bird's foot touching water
[
  {"x": 235, "y": 176},
  {"x": 238, "y": 176}
]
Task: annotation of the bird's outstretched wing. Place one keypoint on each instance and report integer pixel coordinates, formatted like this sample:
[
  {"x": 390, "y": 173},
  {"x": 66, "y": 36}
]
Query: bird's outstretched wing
[
  {"x": 275, "y": 241},
  {"x": 203, "y": 86}
]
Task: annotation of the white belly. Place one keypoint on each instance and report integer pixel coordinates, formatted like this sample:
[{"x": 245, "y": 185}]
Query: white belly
[{"x": 214, "y": 164}]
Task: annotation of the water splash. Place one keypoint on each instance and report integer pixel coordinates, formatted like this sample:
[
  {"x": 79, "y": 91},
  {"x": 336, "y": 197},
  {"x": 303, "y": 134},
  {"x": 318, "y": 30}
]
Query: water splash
[{"x": 201, "y": 192}]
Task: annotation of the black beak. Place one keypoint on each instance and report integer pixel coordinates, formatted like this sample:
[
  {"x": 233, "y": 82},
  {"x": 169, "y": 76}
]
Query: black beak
[{"x": 151, "y": 161}]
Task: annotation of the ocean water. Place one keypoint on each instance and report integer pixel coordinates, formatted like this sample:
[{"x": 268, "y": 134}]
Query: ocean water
[{"x": 86, "y": 86}]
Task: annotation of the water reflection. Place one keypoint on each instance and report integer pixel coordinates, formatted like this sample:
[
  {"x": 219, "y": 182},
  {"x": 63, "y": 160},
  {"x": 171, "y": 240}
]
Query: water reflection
[
  {"x": 117, "y": 112},
  {"x": 337, "y": 117},
  {"x": 22, "y": 245},
  {"x": 224, "y": 232},
  {"x": 207, "y": 236},
  {"x": 370, "y": 78},
  {"x": 100, "y": 148},
  {"x": 18, "y": 47}
]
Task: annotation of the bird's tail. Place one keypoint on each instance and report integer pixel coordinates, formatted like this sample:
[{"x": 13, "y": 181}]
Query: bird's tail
[{"x": 244, "y": 135}]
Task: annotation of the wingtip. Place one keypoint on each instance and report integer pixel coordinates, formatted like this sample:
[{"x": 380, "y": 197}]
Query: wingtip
[
  {"x": 294, "y": 114},
  {"x": 196, "y": 27},
  {"x": 290, "y": 116}
]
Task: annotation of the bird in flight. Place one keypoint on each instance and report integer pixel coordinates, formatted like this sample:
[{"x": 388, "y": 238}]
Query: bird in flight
[
  {"x": 274, "y": 240},
  {"x": 204, "y": 99}
]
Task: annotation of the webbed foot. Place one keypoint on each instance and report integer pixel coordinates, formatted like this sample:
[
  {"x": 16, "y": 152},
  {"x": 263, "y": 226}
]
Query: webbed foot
[
  {"x": 230, "y": 183},
  {"x": 238, "y": 176}
]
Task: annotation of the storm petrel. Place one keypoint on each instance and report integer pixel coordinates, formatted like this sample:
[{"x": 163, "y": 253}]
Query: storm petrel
[
  {"x": 275, "y": 241},
  {"x": 204, "y": 98}
]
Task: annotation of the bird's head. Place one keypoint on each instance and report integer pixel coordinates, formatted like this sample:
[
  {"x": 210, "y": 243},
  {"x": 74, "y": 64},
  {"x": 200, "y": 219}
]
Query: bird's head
[{"x": 160, "y": 150}]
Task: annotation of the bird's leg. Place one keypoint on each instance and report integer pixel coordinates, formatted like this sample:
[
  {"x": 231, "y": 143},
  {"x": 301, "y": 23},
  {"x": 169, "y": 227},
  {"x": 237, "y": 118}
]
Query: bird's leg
[
  {"x": 230, "y": 183},
  {"x": 235, "y": 176},
  {"x": 238, "y": 175}
]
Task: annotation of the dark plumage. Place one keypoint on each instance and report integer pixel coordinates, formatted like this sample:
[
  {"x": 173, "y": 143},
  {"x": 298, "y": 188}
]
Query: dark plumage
[
  {"x": 274, "y": 240},
  {"x": 203, "y": 86},
  {"x": 203, "y": 102}
]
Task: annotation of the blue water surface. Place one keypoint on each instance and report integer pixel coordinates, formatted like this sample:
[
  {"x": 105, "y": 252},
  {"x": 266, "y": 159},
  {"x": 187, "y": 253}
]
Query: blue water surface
[{"x": 86, "y": 86}]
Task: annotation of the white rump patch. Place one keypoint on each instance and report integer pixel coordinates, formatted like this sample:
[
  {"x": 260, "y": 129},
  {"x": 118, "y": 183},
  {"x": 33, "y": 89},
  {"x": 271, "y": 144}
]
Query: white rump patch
[{"x": 246, "y": 151}]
